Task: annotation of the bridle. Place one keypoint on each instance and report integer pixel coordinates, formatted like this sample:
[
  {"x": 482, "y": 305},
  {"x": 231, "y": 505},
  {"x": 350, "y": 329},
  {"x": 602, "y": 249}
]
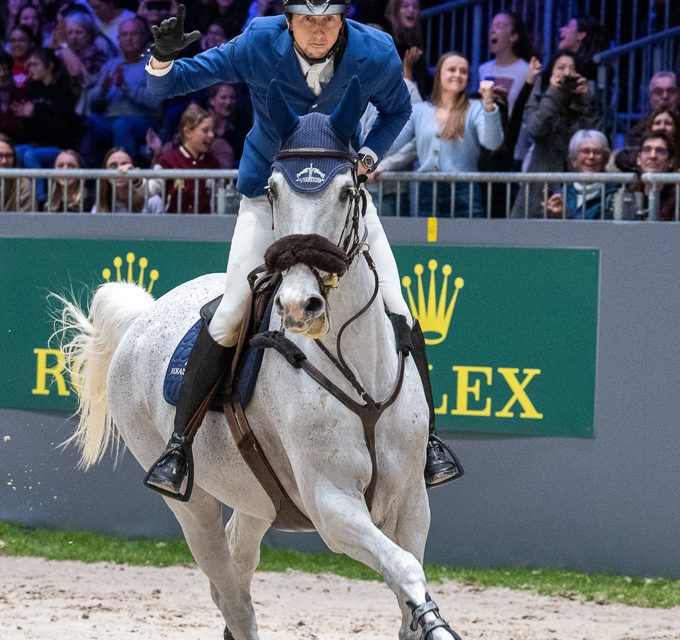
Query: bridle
[
  {"x": 350, "y": 243},
  {"x": 349, "y": 240}
]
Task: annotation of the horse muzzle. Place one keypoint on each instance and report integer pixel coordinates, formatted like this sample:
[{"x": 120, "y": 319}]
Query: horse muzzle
[{"x": 305, "y": 314}]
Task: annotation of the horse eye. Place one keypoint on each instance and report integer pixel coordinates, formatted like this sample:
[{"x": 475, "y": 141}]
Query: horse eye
[
  {"x": 272, "y": 193},
  {"x": 345, "y": 193}
]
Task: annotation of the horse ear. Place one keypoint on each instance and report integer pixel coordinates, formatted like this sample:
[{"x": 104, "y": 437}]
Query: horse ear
[
  {"x": 347, "y": 114},
  {"x": 282, "y": 116}
]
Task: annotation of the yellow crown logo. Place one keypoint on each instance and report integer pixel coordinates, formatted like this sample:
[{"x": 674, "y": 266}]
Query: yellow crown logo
[
  {"x": 130, "y": 259},
  {"x": 435, "y": 313}
]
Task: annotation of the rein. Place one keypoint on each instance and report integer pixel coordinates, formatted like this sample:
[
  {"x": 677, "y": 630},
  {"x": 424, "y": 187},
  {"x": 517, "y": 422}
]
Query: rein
[{"x": 349, "y": 245}]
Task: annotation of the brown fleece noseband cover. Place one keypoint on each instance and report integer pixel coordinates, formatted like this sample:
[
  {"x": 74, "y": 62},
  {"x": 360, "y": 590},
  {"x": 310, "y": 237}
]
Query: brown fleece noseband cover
[{"x": 311, "y": 249}]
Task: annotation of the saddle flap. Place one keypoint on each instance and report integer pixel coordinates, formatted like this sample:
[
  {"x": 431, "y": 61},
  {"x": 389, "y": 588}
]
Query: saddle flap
[{"x": 246, "y": 361}]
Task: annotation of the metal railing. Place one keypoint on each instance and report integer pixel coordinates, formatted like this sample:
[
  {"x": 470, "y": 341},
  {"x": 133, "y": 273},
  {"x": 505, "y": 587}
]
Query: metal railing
[
  {"x": 624, "y": 73},
  {"x": 506, "y": 195},
  {"x": 401, "y": 194},
  {"x": 94, "y": 190}
]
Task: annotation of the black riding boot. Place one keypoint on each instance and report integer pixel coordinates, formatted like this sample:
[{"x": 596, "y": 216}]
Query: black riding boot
[
  {"x": 441, "y": 465},
  {"x": 206, "y": 368}
]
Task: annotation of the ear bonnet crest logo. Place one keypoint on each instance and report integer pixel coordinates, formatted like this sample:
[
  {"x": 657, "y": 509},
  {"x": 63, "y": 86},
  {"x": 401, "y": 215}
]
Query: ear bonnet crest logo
[{"x": 310, "y": 174}]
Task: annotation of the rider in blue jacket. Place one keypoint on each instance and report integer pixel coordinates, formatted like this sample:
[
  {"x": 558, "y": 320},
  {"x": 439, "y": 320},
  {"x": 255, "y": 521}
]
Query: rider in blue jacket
[{"x": 313, "y": 52}]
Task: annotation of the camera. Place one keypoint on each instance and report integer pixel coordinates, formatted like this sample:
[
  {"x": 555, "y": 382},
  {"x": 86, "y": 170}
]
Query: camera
[{"x": 570, "y": 83}]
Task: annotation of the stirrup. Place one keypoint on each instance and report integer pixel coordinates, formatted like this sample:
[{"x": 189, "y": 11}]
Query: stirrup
[
  {"x": 172, "y": 448},
  {"x": 456, "y": 470}
]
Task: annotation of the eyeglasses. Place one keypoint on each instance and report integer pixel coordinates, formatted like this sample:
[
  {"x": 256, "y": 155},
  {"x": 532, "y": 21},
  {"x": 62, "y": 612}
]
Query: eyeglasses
[
  {"x": 660, "y": 91},
  {"x": 660, "y": 151},
  {"x": 6, "y": 156},
  {"x": 595, "y": 151}
]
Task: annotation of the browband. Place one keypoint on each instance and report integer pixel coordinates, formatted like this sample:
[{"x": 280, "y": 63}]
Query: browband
[{"x": 312, "y": 151}]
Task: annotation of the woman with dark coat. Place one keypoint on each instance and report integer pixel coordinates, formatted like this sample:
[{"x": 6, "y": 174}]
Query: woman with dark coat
[
  {"x": 402, "y": 22},
  {"x": 562, "y": 103}
]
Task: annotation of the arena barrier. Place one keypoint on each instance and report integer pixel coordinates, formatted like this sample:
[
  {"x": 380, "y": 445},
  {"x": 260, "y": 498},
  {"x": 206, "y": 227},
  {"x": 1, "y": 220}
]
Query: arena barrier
[
  {"x": 569, "y": 324},
  {"x": 397, "y": 194}
]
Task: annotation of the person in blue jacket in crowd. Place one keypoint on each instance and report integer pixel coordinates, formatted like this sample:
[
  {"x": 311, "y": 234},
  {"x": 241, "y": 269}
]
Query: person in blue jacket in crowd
[{"x": 313, "y": 52}]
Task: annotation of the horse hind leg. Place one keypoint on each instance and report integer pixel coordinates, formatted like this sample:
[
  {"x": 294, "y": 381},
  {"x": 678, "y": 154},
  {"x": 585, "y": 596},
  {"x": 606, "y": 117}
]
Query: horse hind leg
[{"x": 202, "y": 525}]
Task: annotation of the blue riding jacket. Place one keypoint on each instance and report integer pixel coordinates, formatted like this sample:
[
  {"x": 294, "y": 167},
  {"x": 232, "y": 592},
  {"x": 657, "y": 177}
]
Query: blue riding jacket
[{"x": 264, "y": 51}]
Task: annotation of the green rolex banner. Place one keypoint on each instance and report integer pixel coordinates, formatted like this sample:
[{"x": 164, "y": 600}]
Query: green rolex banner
[{"x": 511, "y": 332}]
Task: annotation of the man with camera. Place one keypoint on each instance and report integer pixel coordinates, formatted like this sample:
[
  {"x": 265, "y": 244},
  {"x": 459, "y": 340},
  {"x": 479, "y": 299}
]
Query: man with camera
[{"x": 313, "y": 52}]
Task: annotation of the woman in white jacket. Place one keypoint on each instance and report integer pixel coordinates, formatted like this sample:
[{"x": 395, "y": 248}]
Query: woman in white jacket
[{"x": 449, "y": 131}]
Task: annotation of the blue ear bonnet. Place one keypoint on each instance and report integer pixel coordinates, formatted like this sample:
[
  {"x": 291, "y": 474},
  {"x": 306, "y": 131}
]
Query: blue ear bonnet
[{"x": 314, "y": 172}]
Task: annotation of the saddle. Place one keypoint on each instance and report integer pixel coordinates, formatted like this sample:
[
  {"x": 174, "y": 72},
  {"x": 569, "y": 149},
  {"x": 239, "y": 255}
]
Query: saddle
[
  {"x": 247, "y": 360},
  {"x": 245, "y": 367}
]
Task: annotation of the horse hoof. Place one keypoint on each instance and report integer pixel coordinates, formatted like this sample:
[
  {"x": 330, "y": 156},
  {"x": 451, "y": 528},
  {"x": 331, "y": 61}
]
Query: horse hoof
[{"x": 227, "y": 634}]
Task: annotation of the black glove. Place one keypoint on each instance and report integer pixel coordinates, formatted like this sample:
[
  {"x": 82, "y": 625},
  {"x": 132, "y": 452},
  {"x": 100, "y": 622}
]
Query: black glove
[{"x": 169, "y": 37}]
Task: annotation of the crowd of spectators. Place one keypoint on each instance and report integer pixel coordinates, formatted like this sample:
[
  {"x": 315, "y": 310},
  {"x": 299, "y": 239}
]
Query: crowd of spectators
[{"x": 73, "y": 95}]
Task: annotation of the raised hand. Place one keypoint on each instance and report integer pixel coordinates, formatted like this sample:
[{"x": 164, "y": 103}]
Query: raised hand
[
  {"x": 169, "y": 37},
  {"x": 411, "y": 56},
  {"x": 535, "y": 68}
]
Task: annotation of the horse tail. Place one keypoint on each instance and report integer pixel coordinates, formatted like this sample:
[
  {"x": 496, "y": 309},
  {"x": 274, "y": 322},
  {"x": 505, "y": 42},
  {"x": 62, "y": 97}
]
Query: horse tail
[{"x": 88, "y": 343}]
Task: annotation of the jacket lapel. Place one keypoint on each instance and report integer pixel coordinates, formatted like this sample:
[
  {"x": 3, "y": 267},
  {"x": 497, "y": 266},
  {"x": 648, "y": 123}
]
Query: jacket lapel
[{"x": 288, "y": 71}]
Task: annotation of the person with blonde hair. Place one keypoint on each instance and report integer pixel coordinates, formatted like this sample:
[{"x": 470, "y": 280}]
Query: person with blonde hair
[
  {"x": 449, "y": 132},
  {"x": 16, "y": 191}
]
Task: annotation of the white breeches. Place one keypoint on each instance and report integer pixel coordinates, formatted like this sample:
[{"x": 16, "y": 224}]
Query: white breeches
[{"x": 253, "y": 234}]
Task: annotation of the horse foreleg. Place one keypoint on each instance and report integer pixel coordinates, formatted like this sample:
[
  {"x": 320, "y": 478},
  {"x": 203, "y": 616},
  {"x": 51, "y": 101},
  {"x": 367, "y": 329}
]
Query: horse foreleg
[
  {"x": 202, "y": 525},
  {"x": 410, "y": 533},
  {"x": 343, "y": 521}
]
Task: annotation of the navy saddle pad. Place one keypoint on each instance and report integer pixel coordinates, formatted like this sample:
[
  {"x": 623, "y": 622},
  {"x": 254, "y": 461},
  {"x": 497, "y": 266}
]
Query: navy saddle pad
[{"x": 246, "y": 377}]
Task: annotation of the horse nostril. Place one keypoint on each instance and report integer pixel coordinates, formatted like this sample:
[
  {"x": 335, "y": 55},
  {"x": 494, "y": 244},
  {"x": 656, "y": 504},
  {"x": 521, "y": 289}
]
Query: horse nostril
[{"x": 314, "y": 305}]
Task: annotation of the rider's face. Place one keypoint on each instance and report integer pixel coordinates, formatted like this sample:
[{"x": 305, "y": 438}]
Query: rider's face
[{"x": 315, "y": 35}]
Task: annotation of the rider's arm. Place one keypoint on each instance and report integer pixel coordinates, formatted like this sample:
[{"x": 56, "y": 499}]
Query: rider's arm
[
  {"x": 226, "y": 63},
  {"x": 391, "y": 99}
]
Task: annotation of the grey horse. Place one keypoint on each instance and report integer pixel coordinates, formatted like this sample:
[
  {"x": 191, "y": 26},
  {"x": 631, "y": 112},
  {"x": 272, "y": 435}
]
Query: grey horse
[{"x": 318, "y": 446}]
